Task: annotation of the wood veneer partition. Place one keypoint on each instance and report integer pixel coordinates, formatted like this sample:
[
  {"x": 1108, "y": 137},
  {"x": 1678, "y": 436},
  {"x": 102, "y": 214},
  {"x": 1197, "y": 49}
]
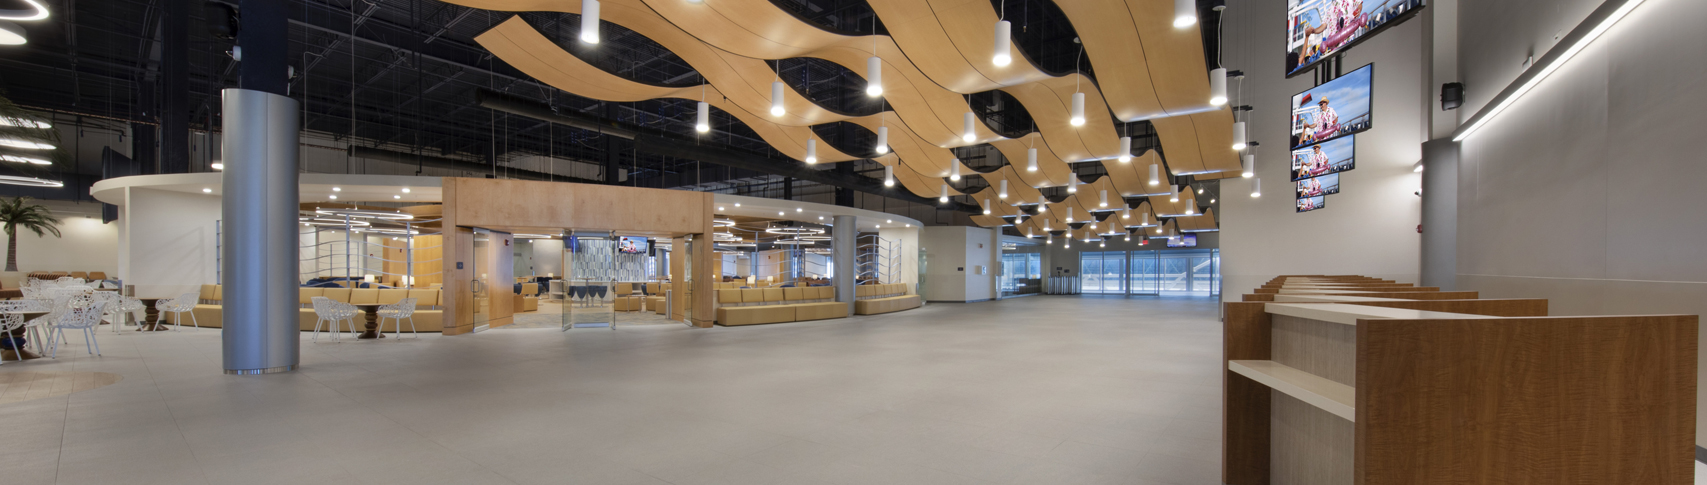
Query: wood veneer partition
[
  {"x": 1475, "y": 399},
  {"x": 1421, "y": 295}
]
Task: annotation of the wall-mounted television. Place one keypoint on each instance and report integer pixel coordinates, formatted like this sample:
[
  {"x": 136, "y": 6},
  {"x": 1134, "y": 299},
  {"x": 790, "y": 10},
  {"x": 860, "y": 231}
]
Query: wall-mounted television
[
  {"x": 1319, "y": 29},
  {"x": 1324, "y": 158},
  {"x": 1335, "y": 109},
  {"x": 1318, "y": 186},
  {"x": 631, "y": 245},
  {"x": 1183, "y": 241},
  {"x": 1308, "y": 204}
]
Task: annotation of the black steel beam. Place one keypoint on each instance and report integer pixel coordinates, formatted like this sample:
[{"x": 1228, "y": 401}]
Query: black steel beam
[{"x": 454, "y": 164}]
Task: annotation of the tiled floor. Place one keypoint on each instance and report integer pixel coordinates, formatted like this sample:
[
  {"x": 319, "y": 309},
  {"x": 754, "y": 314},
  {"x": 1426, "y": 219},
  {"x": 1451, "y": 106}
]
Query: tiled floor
[{"x": 1041, "y": 390}]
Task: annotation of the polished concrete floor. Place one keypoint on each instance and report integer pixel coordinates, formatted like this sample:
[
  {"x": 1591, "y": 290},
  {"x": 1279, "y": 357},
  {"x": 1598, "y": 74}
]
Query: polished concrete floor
[{"x": 1039, "y": 390}]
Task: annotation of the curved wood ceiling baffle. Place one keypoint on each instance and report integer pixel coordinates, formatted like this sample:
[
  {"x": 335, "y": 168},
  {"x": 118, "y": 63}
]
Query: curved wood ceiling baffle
[
  {"x": 1166, "y": 209},
  {"x": 1204, "y": 222},
  {"x": 764, "y": 31},
  {"x": 746, "y": 83},
  {"x": 518, "y": 44},
  {"x": 1137, "y": 219}
]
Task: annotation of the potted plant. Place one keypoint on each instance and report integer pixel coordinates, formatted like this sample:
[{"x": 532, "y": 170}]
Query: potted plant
[{"x": 18, "y": 213}]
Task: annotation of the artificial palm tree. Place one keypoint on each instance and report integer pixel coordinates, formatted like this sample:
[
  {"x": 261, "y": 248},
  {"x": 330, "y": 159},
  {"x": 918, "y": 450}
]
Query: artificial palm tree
[{"x": 19, "y": 212}]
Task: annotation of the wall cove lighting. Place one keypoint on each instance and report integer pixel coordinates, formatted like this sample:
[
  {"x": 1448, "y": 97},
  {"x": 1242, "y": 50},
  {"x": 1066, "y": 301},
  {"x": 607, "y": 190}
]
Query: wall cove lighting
[
  {"x": 590, "y": 21},
  {"x": 1586, "y": 38}
]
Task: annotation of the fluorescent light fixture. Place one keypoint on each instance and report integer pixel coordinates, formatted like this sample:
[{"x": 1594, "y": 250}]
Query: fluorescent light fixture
[
  {"x": 18, "y": 159},
  {"x": 1078, "y": 118},
  {"x": 702, "y": 122},
  {"x": 873, "y": 76},
  {"x": 25, "y": 144},
  {"x": 40, "y": 12},
  {"x": 29, "y": 181},
  {"x": 1587, "y": 38},
  {"x": 1218, "y": 86},
  {"x": 1185, "y": 13},
  {"x": 590, "y": 21},
  {"x": 1004, "y": 35},
  {"x": 21, "y": 122},
  {"x": 967, "y": 133}
]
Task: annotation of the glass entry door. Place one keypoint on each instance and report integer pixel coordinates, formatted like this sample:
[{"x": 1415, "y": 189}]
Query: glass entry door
[
  {"x": 482, "y": 283},
  {"x": 590, "y": 282}
]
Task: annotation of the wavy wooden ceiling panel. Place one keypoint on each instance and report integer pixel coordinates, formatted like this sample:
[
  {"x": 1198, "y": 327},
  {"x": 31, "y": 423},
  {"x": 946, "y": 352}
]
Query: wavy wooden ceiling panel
[{"x": 1204, "y": 222}]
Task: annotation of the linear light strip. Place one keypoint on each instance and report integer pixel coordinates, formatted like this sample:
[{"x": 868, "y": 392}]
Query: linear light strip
[{"x": 1505, "y": 100}]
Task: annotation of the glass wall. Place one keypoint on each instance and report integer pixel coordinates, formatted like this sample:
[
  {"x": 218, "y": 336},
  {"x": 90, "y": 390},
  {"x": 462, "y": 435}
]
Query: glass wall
[
  {"x": 1022, "y": 273},
  {"x": 1170, "y": 272}
]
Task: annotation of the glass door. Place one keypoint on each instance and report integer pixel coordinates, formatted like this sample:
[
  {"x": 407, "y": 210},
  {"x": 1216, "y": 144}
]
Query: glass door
[
  {"x": 1145, "y": 274},
  {"x": 482, "y": 283},
  {"x": 590, "y": 281}
]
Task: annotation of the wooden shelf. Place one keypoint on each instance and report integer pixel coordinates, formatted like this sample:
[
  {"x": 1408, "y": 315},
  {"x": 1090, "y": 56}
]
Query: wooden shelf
[
  {"x": 1350, "y": 314},
  {"x": 1330, "y": 396}
]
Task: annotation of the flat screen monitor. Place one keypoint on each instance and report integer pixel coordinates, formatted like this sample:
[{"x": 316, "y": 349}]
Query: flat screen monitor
[
  {"x": 1336, "y": 109},
  {"x": 631, "y": 245},
  {"x": 1308, "y": 204},
  {"x": 1318, "y": 186},
  {"x": 1324, "y": 158},
  {"x": 1319, "y": 29},
  {"x": 1183, "y": 241}
]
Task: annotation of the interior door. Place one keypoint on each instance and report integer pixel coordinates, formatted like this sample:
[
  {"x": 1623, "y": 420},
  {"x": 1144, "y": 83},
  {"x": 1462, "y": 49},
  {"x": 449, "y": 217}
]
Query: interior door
[{"x": 482, "y": 282}]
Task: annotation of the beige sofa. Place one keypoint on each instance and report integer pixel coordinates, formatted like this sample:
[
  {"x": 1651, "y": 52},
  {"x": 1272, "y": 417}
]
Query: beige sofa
[
  {"x": 429, "y": 313},
  {"x": 876, "y": 299},
  {"x": 755, "y": 306}
]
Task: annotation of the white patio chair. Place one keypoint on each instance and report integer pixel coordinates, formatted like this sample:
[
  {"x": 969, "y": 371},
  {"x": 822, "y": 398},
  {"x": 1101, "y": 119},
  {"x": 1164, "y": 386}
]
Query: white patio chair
[
  {"x": 398, "y": 312},
  {"x": 184, "y": 303},
  {"x": 84, "y": 318}
]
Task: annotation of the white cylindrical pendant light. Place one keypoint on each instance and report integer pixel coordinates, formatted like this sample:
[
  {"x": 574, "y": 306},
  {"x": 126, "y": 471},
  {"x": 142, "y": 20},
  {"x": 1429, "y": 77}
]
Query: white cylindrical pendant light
[
  {"x": 702, "y": 123},
  {"x": 1218, "y": 86},
  {"x": 1250, "y": 166},
  {"x": 1072, "y": 183},
  {"x": 944, "y": 197},
  {"x": 1155, "y": 174},
  {"x": 1069, "y": 213},
  {"x": 1042, "y": 204},
  {"x": 873, "y": 76},
  {"x": 888, "y": 176},
  {"x": 1125, "y": 149},
  {"x": 776, "y": 99},
  {"x": 1004, "y": 35},
  {"x": 1003, "y": 193},
  {"x": 811, "y": 151},
  {"x": 954, "y": 170},
  {"x": 1102, "y": 199},
  {"x": 1189, "y": 209},
  {"x": 986, "y": 207},
  {"x": 1173, "y": 193},
  {"x": 590, "y": 21},
  {"x": 1256, "y": 187},
  {"x": 1185, "y": 13},
  {"x": 1031, "y": 160},
  {"x": 1078, "y": 118},
  {"x": 1239, "y": 135},
  {"x": 1144, "y": 218},
  {"x": 882, "y": 140},
  {"x": 967, "y": 133}
]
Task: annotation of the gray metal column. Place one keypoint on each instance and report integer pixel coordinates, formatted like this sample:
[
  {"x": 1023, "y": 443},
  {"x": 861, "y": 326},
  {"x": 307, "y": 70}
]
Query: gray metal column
[
  {"x": 843, "y": 238},
  {"x": 259, "y": 243},
  {"x": 1440, "y": 214}
]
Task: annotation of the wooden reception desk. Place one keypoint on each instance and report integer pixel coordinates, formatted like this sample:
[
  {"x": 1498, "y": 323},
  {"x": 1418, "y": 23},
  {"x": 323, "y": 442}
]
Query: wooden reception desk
[{"x": 1353, "y": 389}]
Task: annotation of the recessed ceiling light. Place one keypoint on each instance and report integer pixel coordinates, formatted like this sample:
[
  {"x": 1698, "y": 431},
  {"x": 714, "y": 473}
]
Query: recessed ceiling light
[
  {"x": 799, "y": 209},
  {"x": 396, "y": 196},
  {"x": 333, "y": 197},
  {"x": 218, "y": 166},
  {"x": 405, "y": 190},
  {"x": 737, "y": 204},
  {"x": 335, "y": 189},
  {"x": 206, "y": 190},
  {"x": 720, "y": 208}
]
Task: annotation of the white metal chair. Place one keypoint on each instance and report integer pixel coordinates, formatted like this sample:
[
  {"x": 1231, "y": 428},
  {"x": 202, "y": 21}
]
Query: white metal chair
[
  {"x": 398, "y": 312},
  {"x": 12, "y": 318},
  {"x": 84, "y": 318},
  {"x": 128, "y": 306},
  {"x": 184, "y": 303},
  {"x": 43, "y": 325},
  {"x": 114, "y": 313},
  {"x": 330, "y": 312}
]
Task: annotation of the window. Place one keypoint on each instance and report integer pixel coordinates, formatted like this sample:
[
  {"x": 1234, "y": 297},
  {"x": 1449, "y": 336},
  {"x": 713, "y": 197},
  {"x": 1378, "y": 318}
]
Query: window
[{"x": 1102, "y": 272}]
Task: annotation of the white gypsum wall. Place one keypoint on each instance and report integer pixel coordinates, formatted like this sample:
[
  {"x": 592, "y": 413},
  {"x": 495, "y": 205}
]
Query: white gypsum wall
[{"x": 1369, "y": 228}]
